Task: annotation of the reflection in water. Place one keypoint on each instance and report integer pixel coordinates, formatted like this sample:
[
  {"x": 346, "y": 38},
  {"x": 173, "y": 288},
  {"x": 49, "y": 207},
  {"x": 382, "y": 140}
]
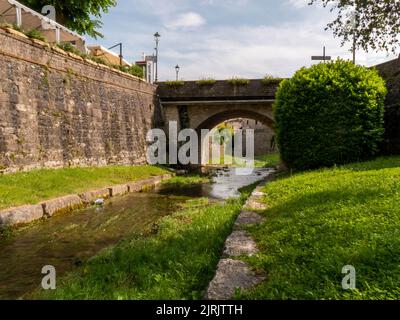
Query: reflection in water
[
  {"x": 226, "y": 184},
  {"x": 64, "y": 241}
]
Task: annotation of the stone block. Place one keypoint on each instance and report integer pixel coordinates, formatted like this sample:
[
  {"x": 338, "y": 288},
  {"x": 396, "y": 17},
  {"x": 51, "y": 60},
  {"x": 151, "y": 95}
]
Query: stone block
[
  {"x": 139, "y": 186},
  {"x": 230, "y": 276},
  {"x": 118, "y": 190},
  {"x": 53, "y": 206},
  {"x": 247, "y": 218},
  {"x": 20, "y": 215},
  {"x": 134, "y": 187},
  {"x": 240, "y": 243},
  {"x": 93, "y": 195}
]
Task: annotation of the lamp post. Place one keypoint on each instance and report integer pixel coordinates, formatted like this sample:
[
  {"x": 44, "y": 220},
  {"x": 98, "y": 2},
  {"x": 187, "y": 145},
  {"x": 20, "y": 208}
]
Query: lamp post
[
  {"x": 121, "y": 57},
  {"x": 177, "y": 68},
  {"x": 157, "y": 40}
]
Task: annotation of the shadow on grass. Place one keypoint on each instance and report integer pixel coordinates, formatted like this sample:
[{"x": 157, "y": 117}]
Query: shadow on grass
[{"x": 323, "y": 200}]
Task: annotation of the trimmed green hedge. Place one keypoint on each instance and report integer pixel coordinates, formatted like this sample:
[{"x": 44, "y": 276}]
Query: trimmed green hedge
[{"x": 330, "y": 114}]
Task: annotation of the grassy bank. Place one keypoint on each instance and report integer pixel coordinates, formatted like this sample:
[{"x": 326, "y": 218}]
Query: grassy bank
[
  {"x": 33, "y": 187},
  {"x": 318, "y": 222},
  {"x": 175, "y": 263}
]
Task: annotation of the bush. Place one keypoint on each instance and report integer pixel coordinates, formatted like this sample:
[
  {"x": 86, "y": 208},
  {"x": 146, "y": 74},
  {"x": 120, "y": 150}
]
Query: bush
[
  {"x": 330, "y": 114},
  {"x": 134, "y": 70}
]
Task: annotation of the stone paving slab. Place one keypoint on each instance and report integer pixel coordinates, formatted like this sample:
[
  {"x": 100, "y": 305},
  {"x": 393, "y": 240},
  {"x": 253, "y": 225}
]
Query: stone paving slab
[
  {"x": 240, "y": 243},
  {"x": 235, "y": 274},
  {"x": 231, "y": 275},
  {"x": 255, "y": 203},
  {"x": 247, "y": 218}
]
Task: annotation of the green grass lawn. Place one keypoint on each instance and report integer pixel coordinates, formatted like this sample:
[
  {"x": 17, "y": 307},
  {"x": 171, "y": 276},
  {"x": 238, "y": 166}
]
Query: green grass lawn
[
  {"x": 35, "y": 186},
  {"x": 320, "y": 221},
  {"x": 175, "y": 263},
  {"x": 264, "y": 161}
]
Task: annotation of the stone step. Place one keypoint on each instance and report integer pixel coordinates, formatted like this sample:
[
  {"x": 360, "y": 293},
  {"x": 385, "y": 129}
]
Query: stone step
[
  {"x": 231, "y": 275},
  {"x": 239, "y": 243},
  {"x": 248, "y": 218}
]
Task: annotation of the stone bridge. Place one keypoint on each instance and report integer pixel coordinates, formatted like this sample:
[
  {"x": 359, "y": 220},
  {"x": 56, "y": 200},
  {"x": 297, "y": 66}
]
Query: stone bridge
[{"x": 196, "y": 106}]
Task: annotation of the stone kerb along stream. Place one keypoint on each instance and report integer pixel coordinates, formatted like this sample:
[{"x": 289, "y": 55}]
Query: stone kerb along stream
[{"x": 66, "y": 240}]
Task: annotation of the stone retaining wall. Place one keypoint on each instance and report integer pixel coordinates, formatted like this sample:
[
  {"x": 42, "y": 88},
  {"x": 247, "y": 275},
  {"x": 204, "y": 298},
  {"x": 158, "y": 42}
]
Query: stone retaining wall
[
  {"x": 58, "y": 109},
  {"x": 26, "y": 214}
]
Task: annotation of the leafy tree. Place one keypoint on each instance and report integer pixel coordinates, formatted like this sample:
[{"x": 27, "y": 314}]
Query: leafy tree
[
  {"x": 76, "y": 15},
  {"x": 331, "y": 113},
  {"x": 374, "y": 24}
]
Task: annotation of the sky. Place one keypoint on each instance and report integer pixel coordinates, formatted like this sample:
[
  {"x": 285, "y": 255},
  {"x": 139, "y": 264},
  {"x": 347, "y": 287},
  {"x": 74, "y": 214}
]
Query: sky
[{"x": 222, "y": 39}]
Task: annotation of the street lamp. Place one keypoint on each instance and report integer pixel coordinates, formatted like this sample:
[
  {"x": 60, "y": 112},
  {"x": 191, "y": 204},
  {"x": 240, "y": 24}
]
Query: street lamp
[
  {"x": 157, "y": 37},
  {"x": 177, "y": 68}
]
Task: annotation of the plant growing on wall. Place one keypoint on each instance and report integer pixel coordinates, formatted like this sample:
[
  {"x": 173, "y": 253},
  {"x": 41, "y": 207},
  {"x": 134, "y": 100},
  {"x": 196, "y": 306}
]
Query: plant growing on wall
[
  {"x": 206, "y": 82},
  {"x": 236, "y": 81},
  {"x": 175, "y": 84},
  {"x": 268, "y": 79},
  {"x": 81, "y": 16},
  {"x": 35, "y": 34},
  {"x": 330, "y": 114},
  {"x": 134, "y": 70}
]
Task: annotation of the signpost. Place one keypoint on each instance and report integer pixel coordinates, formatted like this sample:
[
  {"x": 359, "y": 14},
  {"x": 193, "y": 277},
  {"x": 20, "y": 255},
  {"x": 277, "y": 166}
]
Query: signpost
[{"x": 323, "y": 58}]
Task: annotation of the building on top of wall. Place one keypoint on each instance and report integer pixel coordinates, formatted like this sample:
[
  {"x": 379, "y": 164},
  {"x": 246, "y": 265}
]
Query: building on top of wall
[
  {"x": 148, "y": 65},
  {"x": 14, "y": 13},
  {"x": 107, "y": 55}
]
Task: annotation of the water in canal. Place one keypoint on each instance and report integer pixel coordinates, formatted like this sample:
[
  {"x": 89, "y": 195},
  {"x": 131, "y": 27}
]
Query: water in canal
[{"x": 64, "y": 241}]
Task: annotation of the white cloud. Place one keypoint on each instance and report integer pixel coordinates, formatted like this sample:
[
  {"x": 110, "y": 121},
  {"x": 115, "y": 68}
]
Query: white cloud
[
  {"x": 251, "y": 51},
  {"x": 299, "y": 3},
  {"x": 188, "y": 20},
  {"x": 225, "y": 47}
]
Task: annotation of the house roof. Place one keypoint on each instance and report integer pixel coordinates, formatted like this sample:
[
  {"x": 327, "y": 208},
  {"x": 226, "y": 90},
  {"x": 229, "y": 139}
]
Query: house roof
[{"x": 111, "y": 57}]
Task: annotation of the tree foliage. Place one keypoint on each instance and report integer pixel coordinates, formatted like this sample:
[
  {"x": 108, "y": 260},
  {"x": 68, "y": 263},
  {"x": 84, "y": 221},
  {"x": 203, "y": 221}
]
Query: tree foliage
[
  {"x": 375, "y": 24},
  {"x": 330, "y": 114},
  {"x": 79, "y": 15}
]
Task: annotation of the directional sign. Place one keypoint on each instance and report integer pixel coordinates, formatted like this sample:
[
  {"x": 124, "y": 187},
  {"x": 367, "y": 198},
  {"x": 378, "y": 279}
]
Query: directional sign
[{"x": 324, "y": 57}]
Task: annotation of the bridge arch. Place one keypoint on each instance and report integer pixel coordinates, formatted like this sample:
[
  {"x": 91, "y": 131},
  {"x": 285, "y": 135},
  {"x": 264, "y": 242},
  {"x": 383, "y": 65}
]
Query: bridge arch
[
  {"x": 216, "y": 119},
  {"x": 213, "y": 121}
]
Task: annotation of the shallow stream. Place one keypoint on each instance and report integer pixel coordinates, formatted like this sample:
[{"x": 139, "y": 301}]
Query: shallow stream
[{"x": 65, "y": 241}]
